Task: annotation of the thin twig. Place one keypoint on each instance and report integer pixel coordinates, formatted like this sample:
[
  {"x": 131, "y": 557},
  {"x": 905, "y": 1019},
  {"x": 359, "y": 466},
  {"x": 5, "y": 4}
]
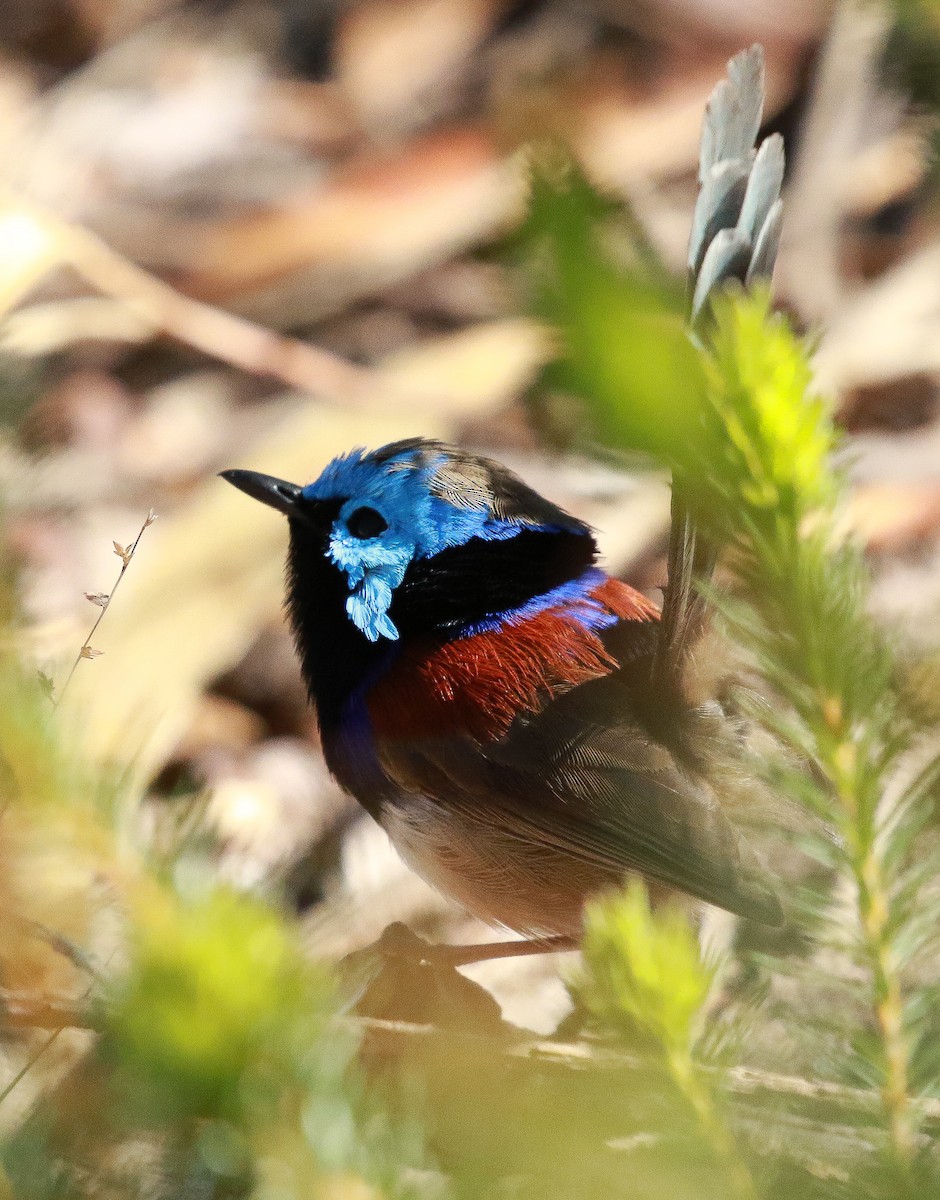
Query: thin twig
[
  {"x": 826, "y": 1098},
  {"x": 103, "y": 600},
  {"x": 31, "y": 1062},
  {"x": 212, "y": 331},
  {"x": 43, "y": 1010},
  {"x": 58, "y": 1015},
  {"x": 78, "y": 957}
]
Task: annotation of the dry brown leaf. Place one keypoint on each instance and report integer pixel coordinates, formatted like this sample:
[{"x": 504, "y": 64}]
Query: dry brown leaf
[
  {"x": 375, "y": 223},
  {"x": 392, "y": 56},
  {"x": 893, "y": 517},
  {"x": 886, "y": 331}
]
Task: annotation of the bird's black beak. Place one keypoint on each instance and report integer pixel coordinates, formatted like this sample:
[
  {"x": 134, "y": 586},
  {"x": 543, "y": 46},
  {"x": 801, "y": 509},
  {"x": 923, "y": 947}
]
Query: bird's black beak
[{"x": 278, "y": 493}]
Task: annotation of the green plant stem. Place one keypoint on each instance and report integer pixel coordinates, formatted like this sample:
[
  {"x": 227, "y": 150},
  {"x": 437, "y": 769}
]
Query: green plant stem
[
  {"x": 698, "y": 1096},
  {"x": 873, "y": 904},
  {"x": 874, "y": 907},
  {"x": 838, "y": 726}
]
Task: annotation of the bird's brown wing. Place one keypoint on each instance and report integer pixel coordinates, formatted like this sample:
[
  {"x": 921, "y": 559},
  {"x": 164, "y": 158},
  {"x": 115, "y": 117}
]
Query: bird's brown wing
[{"x": 577, "y": 780}]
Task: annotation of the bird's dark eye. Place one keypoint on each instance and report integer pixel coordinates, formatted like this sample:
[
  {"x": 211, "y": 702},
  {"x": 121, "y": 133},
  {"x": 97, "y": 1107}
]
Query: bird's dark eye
[{"x": 366, "y": 522}]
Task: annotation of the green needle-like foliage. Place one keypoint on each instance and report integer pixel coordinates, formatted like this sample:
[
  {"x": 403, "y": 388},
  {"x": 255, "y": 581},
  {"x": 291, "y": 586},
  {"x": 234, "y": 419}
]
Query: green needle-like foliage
[
  {"x": 218, "y": 1065},
  {"x": 218, "y": 1007},
  {"x": 644, "y": 975},
  {"x": 773, "y": 439},
  {"x": 644, "y": 971},
  {"x": 753, "y": 448}
]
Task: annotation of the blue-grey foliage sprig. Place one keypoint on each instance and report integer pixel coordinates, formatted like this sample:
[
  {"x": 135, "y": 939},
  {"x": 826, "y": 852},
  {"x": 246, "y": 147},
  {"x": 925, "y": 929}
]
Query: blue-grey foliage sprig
[{"x": 739, "y": 212}]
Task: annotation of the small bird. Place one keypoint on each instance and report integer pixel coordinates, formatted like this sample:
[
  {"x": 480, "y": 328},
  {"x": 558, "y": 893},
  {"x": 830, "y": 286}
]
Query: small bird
[
  {"x": 521, "y": 724},
  {"x": 493, "y": 698}
]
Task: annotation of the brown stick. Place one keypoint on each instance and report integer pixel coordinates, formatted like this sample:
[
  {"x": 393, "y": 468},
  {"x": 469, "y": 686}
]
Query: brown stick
[
  {"x": 214, "y": 332},
  {"x": 813, "y": 1120},
  {"x": 32, "y": 1010}
]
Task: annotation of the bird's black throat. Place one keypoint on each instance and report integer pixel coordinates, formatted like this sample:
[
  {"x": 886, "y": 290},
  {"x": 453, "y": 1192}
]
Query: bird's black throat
[{"x": 438, "y": 599}]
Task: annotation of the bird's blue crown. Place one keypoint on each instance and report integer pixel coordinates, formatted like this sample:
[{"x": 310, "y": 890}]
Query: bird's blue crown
[{"x": 411, "y": 501}]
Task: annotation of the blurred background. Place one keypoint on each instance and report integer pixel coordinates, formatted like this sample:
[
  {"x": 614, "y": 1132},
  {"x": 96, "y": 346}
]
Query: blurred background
[{"x": 258, "y": 234}]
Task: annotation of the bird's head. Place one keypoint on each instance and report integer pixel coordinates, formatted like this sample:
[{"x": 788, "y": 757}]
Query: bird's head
[
  {"x": 417, "y": 540},
  {"x": 419, "y": 535}
]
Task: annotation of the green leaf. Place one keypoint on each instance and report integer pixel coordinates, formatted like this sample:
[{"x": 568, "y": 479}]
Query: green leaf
[
  {"x": 217, "y": 1011},
  {"x": 769, "y": 440},
  {"x": 643, "y": 970}
]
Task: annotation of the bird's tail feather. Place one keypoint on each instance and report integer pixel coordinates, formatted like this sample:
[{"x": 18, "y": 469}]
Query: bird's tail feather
[{"x": 735, "y": 236}]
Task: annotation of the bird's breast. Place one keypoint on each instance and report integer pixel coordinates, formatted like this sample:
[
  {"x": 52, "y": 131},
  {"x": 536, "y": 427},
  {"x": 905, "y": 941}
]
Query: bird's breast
[
  {"x": 502, "y": 881},
  {"x": 480, "y": 683}
]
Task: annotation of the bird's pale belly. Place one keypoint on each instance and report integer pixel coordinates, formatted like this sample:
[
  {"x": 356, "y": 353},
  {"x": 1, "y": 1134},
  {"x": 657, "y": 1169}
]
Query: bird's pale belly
[{"x": 497, "y": 877}]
